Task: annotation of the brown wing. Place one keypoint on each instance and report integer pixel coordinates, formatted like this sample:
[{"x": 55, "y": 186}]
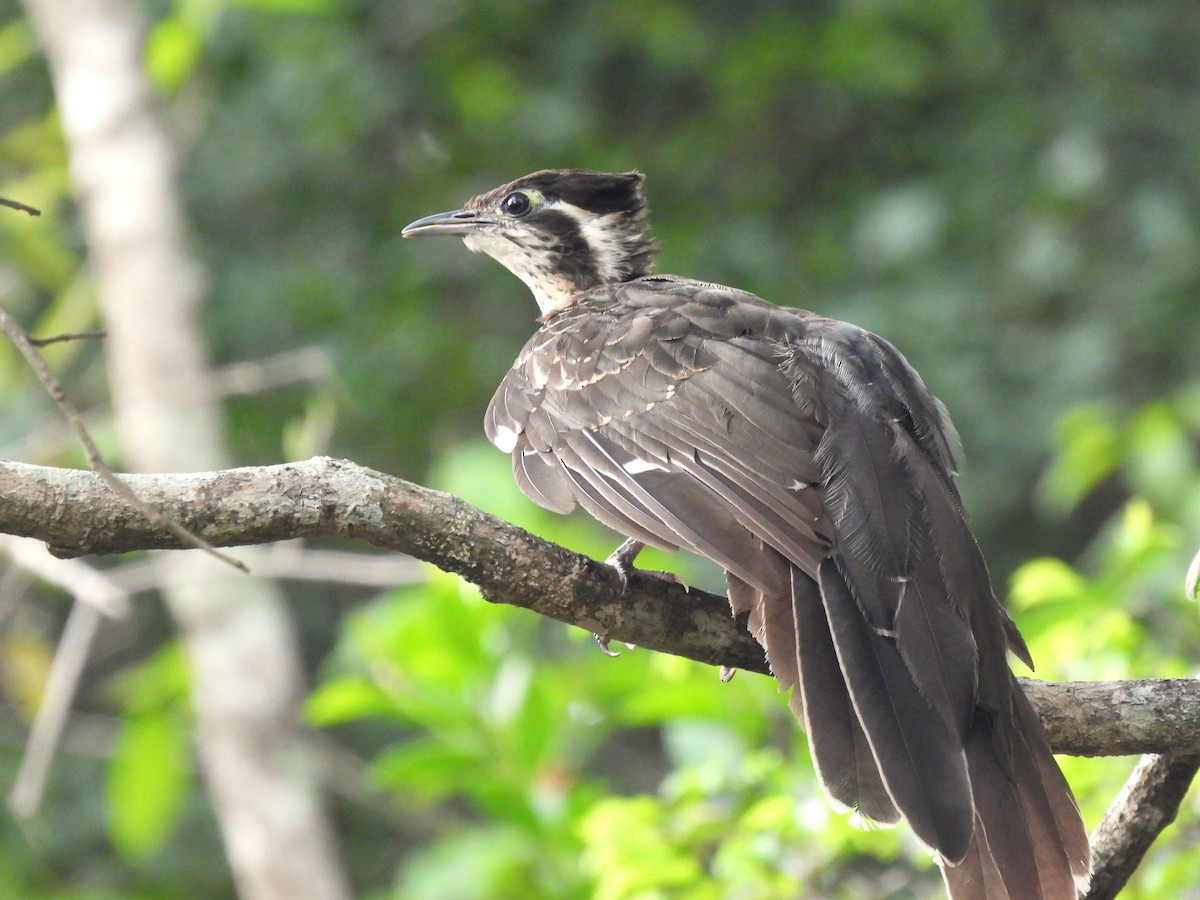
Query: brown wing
[{"x": 807, "y": 458}]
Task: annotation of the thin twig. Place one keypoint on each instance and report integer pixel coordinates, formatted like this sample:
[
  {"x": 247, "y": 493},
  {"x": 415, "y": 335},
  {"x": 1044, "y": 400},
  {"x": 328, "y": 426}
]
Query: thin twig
[
  {"x": 312, "y": 363},
  {"x": 67, "y": 336},
  {"x": 18, "y": 205},
  {"x": 286, "y": 561},
  {"x": 61, "y": 685},
  {"x": 95, "y": 595},
  {"x": 17, "y": 335},
  {"x": 83, "y": 582}
]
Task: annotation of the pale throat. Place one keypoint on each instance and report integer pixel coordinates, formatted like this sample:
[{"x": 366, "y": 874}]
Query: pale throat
[
  {"x": 553, "y": 302},
  {"x": 553, "y": 291}
]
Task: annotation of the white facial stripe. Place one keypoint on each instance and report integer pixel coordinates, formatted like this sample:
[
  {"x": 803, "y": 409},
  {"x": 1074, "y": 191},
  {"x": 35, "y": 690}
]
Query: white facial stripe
[{"x": 608, "y": 249}]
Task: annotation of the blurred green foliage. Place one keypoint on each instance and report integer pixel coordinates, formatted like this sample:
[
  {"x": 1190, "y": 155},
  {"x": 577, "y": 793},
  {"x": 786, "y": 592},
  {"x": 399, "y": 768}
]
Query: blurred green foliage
[
  {"x": 149, "y": 774},
  {"x": 1007, "y": 191}
]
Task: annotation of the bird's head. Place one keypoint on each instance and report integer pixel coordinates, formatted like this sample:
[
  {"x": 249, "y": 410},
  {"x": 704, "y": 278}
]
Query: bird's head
[{"x": 561, "y": 231}]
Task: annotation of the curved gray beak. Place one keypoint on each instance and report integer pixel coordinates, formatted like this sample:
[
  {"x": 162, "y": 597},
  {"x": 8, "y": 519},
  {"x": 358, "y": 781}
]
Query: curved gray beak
[{"x": 458, "y": 222}]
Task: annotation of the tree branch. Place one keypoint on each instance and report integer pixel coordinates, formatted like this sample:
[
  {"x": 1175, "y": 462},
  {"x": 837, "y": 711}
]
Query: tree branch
[
  {"x": 53, "y": 387},
  {"x": 1118, "y": 718},
  {"x": 1146, "y": 805},
  {"x": 75, "y": 514},
  {"x": 70, "y": 510}
]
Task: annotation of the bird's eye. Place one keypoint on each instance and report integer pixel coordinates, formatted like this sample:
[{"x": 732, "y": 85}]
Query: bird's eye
[{"x": 516, "y": 204}]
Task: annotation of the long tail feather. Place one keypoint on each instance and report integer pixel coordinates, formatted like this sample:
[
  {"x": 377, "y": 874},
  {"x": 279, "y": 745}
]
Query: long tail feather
[
  {"x": 1029, "y": 838},
  {"x": 919, "y": 757},
  {"x": 840, "y": 750}
]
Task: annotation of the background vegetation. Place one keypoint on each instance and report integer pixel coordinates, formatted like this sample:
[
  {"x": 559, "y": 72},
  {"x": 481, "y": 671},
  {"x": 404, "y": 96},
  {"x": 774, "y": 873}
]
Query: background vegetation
[{"x": 1007, "y": 191}]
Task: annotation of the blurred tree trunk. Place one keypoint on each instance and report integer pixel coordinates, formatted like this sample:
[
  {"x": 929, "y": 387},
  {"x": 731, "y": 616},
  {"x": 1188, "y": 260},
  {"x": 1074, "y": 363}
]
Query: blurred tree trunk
[{"x": 246, "y": 675}]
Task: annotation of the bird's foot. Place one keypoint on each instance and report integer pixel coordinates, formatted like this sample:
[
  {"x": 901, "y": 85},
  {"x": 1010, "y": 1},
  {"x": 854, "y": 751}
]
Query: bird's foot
[
  {"x": 622, "y": 559},
  {"x": 727, "y": 673}
]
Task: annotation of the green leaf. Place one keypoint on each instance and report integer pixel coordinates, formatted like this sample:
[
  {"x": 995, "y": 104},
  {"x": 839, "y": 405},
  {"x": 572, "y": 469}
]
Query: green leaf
[
  {"x": 1089, "y": 450},
  {"x": 344, "y": 700},
  {"x": 17, "y": 44},
  {"x": 478, "y": 864},
  {"x": 172, "y": 51},
  {"x": 148, "y": 780},
  {"x": 428, "y": 769},
  {"x": 160, "y": 681},
  {"x": 629, "y": 852},
  {"x": 1161, "y": 461},
  {"x": 1045, "y": 580}
]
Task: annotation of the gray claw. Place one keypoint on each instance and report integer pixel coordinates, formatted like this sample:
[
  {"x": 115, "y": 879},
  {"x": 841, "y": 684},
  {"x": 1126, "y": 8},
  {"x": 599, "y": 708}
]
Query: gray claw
[{"x": 603, "y": 642}]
